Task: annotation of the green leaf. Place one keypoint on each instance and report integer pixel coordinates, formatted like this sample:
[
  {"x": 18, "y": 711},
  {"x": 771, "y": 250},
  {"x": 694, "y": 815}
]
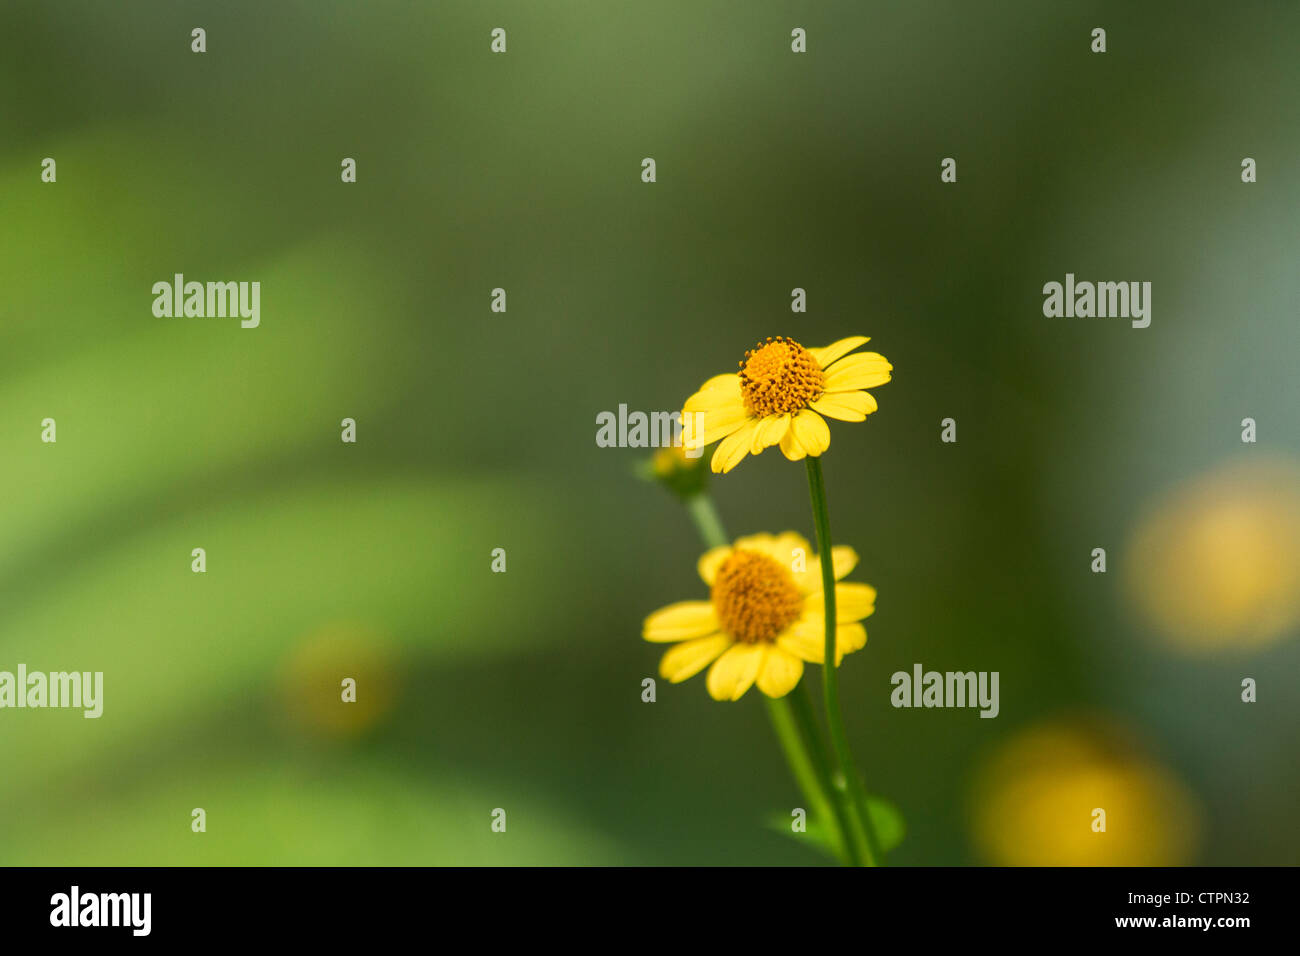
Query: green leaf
[
  {"x": 890, "y": 826},
  {"x": 816, "y": 834}
]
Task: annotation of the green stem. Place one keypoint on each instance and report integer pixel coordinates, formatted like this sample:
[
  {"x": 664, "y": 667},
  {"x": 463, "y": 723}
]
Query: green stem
[
  {"x": 852, "y": 781},
  {"x": 795, "y": 727},
  {"x": 801, "y": 703},
  {"x": 707, "y": 522},
  {"x": 802, "y": 766},
  {"x": 805, "y": 712}
]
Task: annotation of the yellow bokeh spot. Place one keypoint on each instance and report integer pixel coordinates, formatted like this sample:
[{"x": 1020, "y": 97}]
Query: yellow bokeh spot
[
  {"x": 1217, "y": 563},
  {"x": 312, "y": 675},
  {"x": 1035, "y": 804}
]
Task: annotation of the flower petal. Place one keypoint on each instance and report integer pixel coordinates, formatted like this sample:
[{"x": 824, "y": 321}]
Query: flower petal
[
  {"x": 711, "y": 560},
  {"x": 769, "y": 431},
  {"x": 849, "y": 638},
  {"x": 780, "y": 547},
  {"x": 733, "y": 673},
  {"x": 864, "y": 370},
  {"x": 791, "y": 448},
  {"x": 700, "y": 428},
  {"x": 761, "y": 542},
  {"x": 811, "y": 431},
  {"x": 732, "y": 450},
  {"x": 846, "y": 406},
  {"x": 717, "y": 392},
  {"x": 843, "y": 560},
  {"x": 853, "y": 602},
  {"x": 807, "y": 636},
  {"x": 690, "y": 657},
  {"x": 681, "y": 621},
  {"x": 780, "y": 672},
  {"x": 803, "y": 644},
  {"x": 790, "y": 546},
  {"x": 826, "y": 355}
]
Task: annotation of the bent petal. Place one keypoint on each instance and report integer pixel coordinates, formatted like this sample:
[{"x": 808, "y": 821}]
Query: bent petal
[
  {"x": 826, "y": 355},
  {"x": 864, "y": 370},
  {"x": 791, "y": 448},
  {"x": 811, "y": 431}
]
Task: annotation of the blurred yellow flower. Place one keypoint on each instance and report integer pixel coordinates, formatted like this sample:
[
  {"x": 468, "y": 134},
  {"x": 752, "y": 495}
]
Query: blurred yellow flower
[
  {"x": 684, "y": 475},
  {"x": 764, "y": 618},
  {"x": 670, "y": 460},
  {"x": 1036, "y": 803},
  {"x": 777, "y": 396},
  {"x": 1217, "y": 563},
  {"x": 314, "y": 686}
]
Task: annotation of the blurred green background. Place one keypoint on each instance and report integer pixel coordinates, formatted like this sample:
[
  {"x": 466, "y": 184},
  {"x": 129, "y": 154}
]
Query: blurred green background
[{"x": 476, "y": 429}]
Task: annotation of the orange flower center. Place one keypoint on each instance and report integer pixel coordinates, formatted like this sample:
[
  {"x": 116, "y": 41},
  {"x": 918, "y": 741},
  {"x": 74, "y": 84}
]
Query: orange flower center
[
  {"x": 780, "y": 375},
  {"x": 755, "y": 597}
]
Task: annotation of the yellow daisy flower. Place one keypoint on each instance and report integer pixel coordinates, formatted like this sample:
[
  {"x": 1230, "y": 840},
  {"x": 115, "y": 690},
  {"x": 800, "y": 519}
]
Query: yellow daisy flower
[
  {"x": 779, "y": 397},
  {"x": 763, "y": 619}
]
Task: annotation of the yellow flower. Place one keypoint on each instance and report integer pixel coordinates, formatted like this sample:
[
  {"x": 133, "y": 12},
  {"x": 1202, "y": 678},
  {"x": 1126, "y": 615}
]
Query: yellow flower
[
  {"x": 763, "y": 618},
  {"x": 777, "y": 396},
  {"x": 1036, "y": 802},
  {"x": 669, "y": 460},
  {"x": 685, "y": 476},
  {"x": 1216, "y": 566}
]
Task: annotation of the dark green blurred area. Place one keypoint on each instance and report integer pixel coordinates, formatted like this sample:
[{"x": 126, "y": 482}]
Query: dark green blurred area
[{"x": 476, "y": 429}]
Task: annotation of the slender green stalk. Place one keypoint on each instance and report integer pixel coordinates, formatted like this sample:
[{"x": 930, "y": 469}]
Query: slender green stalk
[
  {"x": 852, "y": 781},
  {"x": 802, "y": 766},
  {"x": 707, "y": 522},
  {"x": 805, "y": 713},
  {"x": 848, "y": 840},
  {"x": 795, "y": 728}
]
